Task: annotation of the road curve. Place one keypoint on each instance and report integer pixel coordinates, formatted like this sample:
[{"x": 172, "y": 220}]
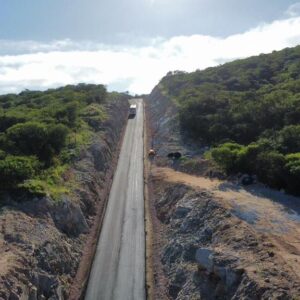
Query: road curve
[{"x": 118, "y": 270}]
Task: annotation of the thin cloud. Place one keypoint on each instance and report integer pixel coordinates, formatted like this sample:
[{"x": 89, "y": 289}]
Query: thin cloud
[
  {"x": 136, "y": 69},
  {"x": 293, "y": 10}
]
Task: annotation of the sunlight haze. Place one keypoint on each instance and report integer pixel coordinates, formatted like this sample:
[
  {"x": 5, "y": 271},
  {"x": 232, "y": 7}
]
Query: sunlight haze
[{"x": 130, "y": 45}]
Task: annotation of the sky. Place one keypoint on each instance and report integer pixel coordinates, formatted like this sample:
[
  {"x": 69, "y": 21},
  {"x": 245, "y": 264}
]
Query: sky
[{"x": 129, "y": 45}]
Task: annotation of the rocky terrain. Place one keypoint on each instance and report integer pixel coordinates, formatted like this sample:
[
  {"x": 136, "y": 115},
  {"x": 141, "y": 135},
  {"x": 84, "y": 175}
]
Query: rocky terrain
[
  {"x": 163, "y": 127},
  {"x": 206, "y": 251},
  {"x": 45, "y": 244},
  {"x": 215, "y": 239},
  {"x": 165, "y": 136}
]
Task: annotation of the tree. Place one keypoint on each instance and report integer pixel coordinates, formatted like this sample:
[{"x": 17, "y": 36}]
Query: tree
[
  {"x": 289, "y": 139},
  {"x": 292, "y": 167},
  {"x": 57, "y": 135},
  {"x": 226, "y": 155},
  {"x": 28, "y": 138},
  {"x": 69, "y": 114},
  {"x": 270, "y": 168}
]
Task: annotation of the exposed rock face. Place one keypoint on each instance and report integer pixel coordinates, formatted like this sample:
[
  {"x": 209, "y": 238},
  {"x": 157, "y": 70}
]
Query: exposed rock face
[
  {"x": 164, "y": 129},
  {"x": 204, "y": 257},
  {"x": 166, "y": 137},
  {"x": 41, "y": 240},
  {"x": 211, "y": 254},
  {"x": 68, "y": 218}
]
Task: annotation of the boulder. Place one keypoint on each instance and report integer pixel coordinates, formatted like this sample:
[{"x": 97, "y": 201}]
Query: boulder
[
  {"x": 47, "y": 285},
  {"x": 68, "y": 217},
  {"x": 246, "y": 179},
  {"x": 189, "y": 252},
  {"x": 204, "y": 257},
  {"x": 101, "y": 155},
  {"x": 181, "y": 212},
  {"x": 233, "y": 277}
]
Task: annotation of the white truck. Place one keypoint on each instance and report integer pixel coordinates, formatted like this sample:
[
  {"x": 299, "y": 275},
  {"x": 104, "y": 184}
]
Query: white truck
[{"x": 132, "y": 110}]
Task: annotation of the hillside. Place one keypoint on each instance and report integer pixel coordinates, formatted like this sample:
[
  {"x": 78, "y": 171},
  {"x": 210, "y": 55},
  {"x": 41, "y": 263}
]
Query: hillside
[
  {"x": 41, "y": 133},
  {"x": 58, "y": 153},
  {"x": 213, "y": 235},
  {"x": 248, "y": 111}
]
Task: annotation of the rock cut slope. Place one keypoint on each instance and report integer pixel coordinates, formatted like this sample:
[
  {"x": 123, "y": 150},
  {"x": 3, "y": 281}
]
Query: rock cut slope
[
  {"x": 43, "y": 241},
  {"x": 206, "y": 251}
]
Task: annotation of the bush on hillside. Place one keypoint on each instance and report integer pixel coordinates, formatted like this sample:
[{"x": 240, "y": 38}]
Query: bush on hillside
[
  {"x": 227, "y": 156},
  {"x": 292, "y": 168},
  {"x": 68, "y": 115},
  {"x": 15, "y": 169},
  {"x": 269, "y": 167},
  {"x": 255, "y": 104},
  {"x": 57, "y": 136},
  {"x": 28, "y": 138},
  {"x": 289, "y": 139},
  {"x": 33, "y": 138}
]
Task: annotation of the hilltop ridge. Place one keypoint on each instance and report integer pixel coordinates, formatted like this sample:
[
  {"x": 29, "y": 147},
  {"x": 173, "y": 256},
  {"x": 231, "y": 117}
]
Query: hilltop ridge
[{"x": 246, "y": 111}]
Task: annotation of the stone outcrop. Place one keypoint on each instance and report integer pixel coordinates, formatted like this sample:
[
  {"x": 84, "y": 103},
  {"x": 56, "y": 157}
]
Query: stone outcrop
[{"x": 69, "y": 218}]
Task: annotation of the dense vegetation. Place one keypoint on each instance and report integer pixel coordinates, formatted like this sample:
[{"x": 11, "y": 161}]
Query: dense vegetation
[
  {"x": 249, "y": 111},
  {"x": 42, "y": 132}
]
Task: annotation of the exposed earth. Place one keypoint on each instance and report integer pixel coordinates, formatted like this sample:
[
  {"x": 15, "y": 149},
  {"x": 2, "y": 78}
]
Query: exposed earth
[{"x": 218, "y": 240}]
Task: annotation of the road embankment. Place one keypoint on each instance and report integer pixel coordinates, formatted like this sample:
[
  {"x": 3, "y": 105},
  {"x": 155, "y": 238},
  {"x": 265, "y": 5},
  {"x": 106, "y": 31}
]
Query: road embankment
[
  {"x": 46, "y": 244},
  {"x": 79, "y": 285}
]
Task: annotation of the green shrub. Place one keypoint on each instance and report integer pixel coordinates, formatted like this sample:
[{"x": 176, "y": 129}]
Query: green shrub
[
  {"x": 15, "y": 169},
  {"x": 33, "y": 138},
  {"x": 57, "y": 135},
  {"x": 269, "y": 167},
  {"x": 62, "y": 121},
  {"x": 8, "y": 121},
  {"x": 29, "y": 138},
  {"x": 227, "y": 155},
  {"x": 189, "y": 165},
  {"x": 69, "y": 114},
  {"x": 35, "y": 187},
  {"x": 289, "y": 139},
  {"x": 292, "y": 167},
  {"x": 2, "y": 154},
  {"x": 246, "y": 158}
]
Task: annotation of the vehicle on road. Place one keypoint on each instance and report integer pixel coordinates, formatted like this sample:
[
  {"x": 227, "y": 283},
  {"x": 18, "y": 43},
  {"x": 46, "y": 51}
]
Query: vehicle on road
[{"x": 132, "y": 110}]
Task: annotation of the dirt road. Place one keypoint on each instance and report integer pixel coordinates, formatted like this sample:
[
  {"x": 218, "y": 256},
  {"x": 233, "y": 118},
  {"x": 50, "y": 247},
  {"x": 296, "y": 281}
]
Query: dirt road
[{"x": 118, "y": 270}]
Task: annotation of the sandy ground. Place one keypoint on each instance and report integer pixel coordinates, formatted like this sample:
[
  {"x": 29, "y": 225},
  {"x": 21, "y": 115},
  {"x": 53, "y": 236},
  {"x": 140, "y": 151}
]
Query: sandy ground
[{"x": 270, "y": 212}]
